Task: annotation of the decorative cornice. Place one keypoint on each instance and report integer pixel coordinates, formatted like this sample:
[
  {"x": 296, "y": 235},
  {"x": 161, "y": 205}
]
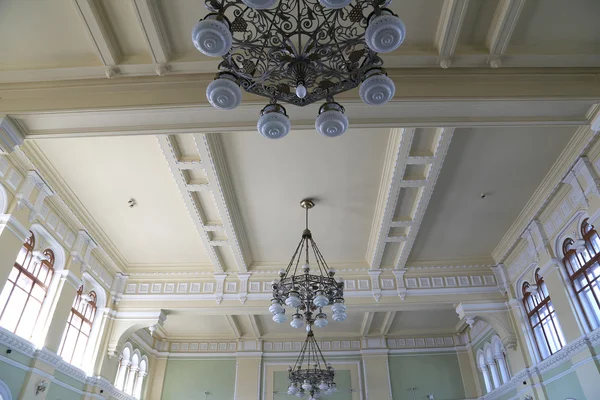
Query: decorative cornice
[
  {"x": 17, "y": 343},
  {"x": 11, "y": 134}
]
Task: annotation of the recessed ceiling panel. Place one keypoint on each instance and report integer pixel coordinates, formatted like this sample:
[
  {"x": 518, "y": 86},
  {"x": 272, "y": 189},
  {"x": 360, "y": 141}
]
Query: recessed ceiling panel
[
  {"x": 104, "y": 173},
  {"x": 507, "y": 165},
  {"x": 270, "y": 177},
  {"x": 424, "y": 322},
  {"x": 43, "y": 34},
  {"x": 198, "y": 326}
]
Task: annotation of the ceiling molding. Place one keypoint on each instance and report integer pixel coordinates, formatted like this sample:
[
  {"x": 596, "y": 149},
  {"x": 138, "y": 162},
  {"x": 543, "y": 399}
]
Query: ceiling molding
[
  {"x": 394, "y": 183},
  {"x": 449, "y": 28},
  {"x": 213, "y": 158},
  {"x": 235, "y": 328},
  {"x": 394, "y": 164},
  {"x": 418, "y": 85},
  {"x": 170, "y": 150},
  {"x": 365, "y": 327},
  {"x": 97, "y": 26},
  {"x": 544, "y": 193},
  {"x": 388, "y": 320},
  {"x": 255, "y": 326},
  {"x": 152, "y": 24},
  {"x": 441, "y": 148},
  {"x": 501, "y": 29}
]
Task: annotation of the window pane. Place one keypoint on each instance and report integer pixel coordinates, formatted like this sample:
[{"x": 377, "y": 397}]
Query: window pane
[
  {"x": 541, "y": 340},
  {"x": 28, "y": 319},
  {"x": 38, "y": 293},
  {"x": 24, "y": 282},
  {"x": 14, "y": 308},
  {"x": 4, "y": 295},
  {"x": 79, "y": 350},
  {"x": 69, "y": 346},
  {"x": 76, "y": 321},
  {"x": 13, "y": 274}
]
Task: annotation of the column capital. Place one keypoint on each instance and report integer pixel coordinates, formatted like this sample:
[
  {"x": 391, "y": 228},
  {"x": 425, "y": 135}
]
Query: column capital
[
  {"x": 70, "y": 277},
  {"x": 12, "y": 134}
]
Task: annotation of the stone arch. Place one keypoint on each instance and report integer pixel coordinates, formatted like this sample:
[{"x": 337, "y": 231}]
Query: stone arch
[
  {"x": 44, "y": 240},
  {"x": 3, "y": 199},
  {"x": 565, "y": 232},
  {"x": 4, "y": 390}
]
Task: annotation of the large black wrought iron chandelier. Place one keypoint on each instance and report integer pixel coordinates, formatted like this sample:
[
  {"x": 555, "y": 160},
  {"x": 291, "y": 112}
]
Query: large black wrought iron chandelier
[
  {"x": 299, "y": 52},
  {"x": 311, "y": 375},
  {"x": 307, "y": 292}
]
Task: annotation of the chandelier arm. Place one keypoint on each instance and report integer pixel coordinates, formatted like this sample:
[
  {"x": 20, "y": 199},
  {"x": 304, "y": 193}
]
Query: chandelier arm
[
  {"x": 320, "y": 353},
  {"x": 312, "y": 242},
  {"x": 319, "y": 255},
  {"x": 272, "y": 21},
  {"x": 292, "y": 260},
  {"x": 299, "y": 255},
  {"x": 320, "y": 261}
]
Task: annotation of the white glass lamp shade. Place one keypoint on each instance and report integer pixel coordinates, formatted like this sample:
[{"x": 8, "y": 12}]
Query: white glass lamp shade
[
  {"x": 385, "y": 33},
  {"x": 321, "y": 321},
  {"x": 306, "y": 385},
  {"x": 323, "y": 386},
  {"x": 276, "y": 307},
  {"x": 339, "y": 317},
  {"x": 292, "y": 389},
  {"x": 212, "y": 37},
  {"x": 301, "y": 91},
  {"x": 273, "y": 122},
  {"x": 293, "y": 300},
  {"x": 377, "y": 90},
  {"x": 338, "y": 308},
  {"x": 331, "y": 123},
  {"x": 224, "y": 94},
  {"x": 335, "y": 3},
  {"x": 280, "y": 318},
  {"x": 297, "y": 321},
  {"x": 260, "y": 4},
  {"x": 300, "y": 394},
  {"x": 320, "y": 300}
]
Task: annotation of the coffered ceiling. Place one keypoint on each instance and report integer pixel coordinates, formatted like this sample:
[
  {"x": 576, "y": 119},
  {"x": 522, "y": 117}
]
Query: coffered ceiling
[{"x": 490, "y": 95}]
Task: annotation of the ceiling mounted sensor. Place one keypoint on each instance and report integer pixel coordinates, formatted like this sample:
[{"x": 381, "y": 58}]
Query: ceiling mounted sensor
[
  {"x": 299, "y": 52},
  {"x": 306, "y": 291}
]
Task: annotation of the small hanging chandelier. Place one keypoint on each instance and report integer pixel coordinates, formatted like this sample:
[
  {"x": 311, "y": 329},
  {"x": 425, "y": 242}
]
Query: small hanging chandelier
[
  {"x": 299, "y": 52},
  {"x": 311, "y": 374},
  {"x": 305, "y": 292}
]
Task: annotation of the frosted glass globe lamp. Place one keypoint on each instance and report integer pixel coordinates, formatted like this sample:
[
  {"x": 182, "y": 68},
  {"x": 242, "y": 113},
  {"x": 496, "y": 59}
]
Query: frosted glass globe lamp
[
  {"x": 276, "y": 307},
  {"x": 224, "y": 93},
  {"x": 273, "y": 122},
  {"x": 212, "y": 36},
  {"x": 331, "y": 121},
  {"x": 293, "y": 300},
  {"x": 385, "y": 32},
  {"x": 338, "y": 306},
  {"x": 297, "y": 321},
  {"x": 260, "y": 4},
  {"x": 321, "y": 300},
  {"x": 339, "y": 317},
  {"x": 280, "y": 318},
  {"x": 321, "y": 320},
  {"x": 377, "y": 88}
]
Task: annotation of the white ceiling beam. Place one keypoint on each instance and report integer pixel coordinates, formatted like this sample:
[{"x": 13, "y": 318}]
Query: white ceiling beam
[
  {"x": 235, "y": 328},
  {"x": 445, "y": 135},
  {"x": 96, "y": 24},
  {"x": 501, "y": 29},
  {"x": 366, "y": 323},
  {"x": 255, "y": 325},
  {"x": 169, "y": 149},
  {"x": 448, "y": 30},
  {"x": 394, "y": 165},
  {"x": 388, "y": 320},
  {"x": 150, "y": 19},
  {"x": 211, "y": 154}
]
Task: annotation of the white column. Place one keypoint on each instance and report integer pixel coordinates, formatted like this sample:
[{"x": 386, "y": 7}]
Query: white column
[
  {"x": 133, "y": 370},
  {"x": 486, "y": 378},
  {"x": 503, "y": 367},
  {"x": 122, "y": 374},
  {"x": 495, "y": 376},
  {"x": 137, "y": 392}
]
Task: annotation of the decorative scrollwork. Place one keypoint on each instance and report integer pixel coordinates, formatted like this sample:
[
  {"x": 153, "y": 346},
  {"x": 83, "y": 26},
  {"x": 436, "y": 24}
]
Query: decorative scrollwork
[{"x": 298, "y": 41}]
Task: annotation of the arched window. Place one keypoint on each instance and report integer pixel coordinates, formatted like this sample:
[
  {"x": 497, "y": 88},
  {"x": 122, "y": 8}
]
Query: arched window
[
  {"x": 26, "y": 289},
  {"x": 484, "y": 371},
  {"x": 500, "y": 357},
  {"x": 139, "y": 382},
  {"x": 133, "y": 370},
  {"x": 79, "y": 327},
  {"x": 123, "y": 370},
  {"x": 581, "y": 260},
  {"x": 542, "y": 317}
]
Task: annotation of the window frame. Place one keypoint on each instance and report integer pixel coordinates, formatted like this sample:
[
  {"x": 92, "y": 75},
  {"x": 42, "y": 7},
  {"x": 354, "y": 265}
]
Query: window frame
[
  {"x": 543, "y": 301},
  {"x": 31, "y": 268},
  {"x": 89, "y": 305},
  {"x": 588, "y": 233}
]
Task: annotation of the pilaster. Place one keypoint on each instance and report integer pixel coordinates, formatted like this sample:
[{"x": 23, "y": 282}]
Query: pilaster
[
  {"x": 377, "y": 374},
  {"x": 67, "y": 290},
  {"x": 247, "y": 376},
  {"x": 154, "y": 387},
  {"x": 468, "y": 372}
]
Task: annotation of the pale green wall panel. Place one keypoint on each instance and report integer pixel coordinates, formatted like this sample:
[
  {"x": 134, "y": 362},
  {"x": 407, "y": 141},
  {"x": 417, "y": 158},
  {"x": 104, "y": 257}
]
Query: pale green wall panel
[
  {"x": 13, "y": 377},
  {"x": 428, "y": 373},
  {"x": 567, "y": 387},
  {"x": 197, "y": 376},
  {"x": 68, "y": 380},
  {"x": 57, "y": 392},
  {"x": 342, "y": 380}
]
